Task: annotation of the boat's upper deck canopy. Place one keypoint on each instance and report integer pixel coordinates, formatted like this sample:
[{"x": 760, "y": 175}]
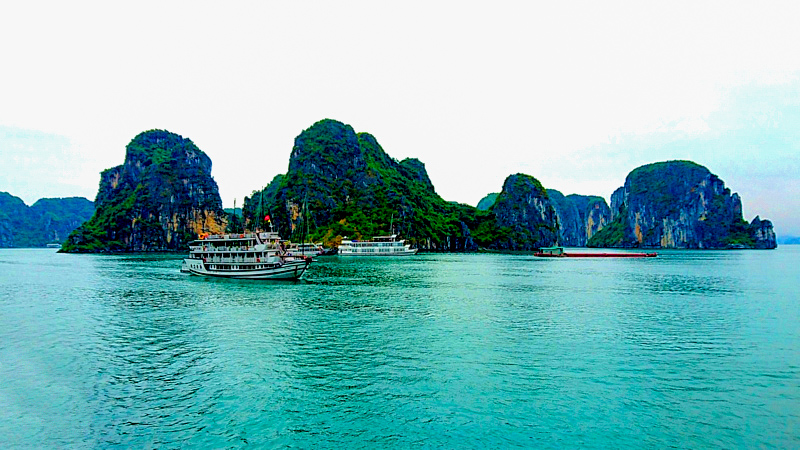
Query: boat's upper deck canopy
[
  {"x": 552, "y": 250},
  {"x": 392, "y": 238},
  {"x": 240, "y": 237}
]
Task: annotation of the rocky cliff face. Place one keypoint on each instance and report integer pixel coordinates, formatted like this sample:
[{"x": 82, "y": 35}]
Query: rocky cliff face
[
  {"x": 525, "y": 216},
  {"x": 679, "y": 204},
  {"x": 617, "y": 200},
  {"x": 594, "y": 212},
  {"x": 763, "y": 234},
  {"x": 579, "y": 217},
  {"x": 48, "y": 221},
  {"x": 342, "y": 183},
  {"x": 162, "y": 197},
  {"x": 571, "y": 228}
]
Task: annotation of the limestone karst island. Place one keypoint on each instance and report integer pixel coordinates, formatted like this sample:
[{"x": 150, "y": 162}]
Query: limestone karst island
[{"x": 342, "y": 183}]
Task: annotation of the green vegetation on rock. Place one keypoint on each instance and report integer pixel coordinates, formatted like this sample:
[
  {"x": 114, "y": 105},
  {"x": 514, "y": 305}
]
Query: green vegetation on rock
[
  {"x": 525, "y": 217},
  {"x": 159, "y": 199},
  {"x": 612, "y": 235},
  {"x": 342, "y": 183},
  {"x": 680, "y": 204}
]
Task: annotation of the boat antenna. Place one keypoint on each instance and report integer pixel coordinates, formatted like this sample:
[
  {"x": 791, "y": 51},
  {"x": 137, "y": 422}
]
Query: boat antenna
[{"x": 303, "y": 231}]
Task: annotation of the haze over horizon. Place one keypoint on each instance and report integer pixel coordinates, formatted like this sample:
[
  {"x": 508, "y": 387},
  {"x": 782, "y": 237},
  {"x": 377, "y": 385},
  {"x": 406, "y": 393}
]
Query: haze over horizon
[{"x": 576, "y": 95}]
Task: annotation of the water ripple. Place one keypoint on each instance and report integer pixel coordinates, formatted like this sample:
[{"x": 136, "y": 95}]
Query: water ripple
[{"x": 691, "y": 349}]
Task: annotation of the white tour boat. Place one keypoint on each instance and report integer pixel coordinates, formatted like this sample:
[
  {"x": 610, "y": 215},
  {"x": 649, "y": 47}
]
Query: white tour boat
[
  {"x": 256, "y": 256},
  {"x": 378, "y": 246}
]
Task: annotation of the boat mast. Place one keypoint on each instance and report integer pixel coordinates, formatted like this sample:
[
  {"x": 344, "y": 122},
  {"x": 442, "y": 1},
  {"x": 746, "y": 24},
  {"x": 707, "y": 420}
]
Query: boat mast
[
  {"x": 261, "y": 209},
  {"x": 262, "y": 218},
  {"x": 304, "y": 230}
]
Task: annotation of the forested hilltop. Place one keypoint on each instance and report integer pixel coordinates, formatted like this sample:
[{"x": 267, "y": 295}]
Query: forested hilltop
[
  {"x": 48, "y": 221},
  {"x": 341, "y": 183}
]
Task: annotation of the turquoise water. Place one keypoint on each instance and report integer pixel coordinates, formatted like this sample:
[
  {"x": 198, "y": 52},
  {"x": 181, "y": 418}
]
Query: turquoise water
[{"x": 688, "y": 350}]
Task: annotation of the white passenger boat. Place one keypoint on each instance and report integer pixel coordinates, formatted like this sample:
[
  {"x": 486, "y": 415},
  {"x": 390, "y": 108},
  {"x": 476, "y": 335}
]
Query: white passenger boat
[
  {"x": 378, "y": 246},
  {"x": 256, "y": 256}
]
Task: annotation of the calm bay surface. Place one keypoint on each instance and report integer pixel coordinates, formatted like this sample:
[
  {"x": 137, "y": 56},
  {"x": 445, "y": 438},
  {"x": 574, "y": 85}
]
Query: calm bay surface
[{"x": 693, "y": 349}]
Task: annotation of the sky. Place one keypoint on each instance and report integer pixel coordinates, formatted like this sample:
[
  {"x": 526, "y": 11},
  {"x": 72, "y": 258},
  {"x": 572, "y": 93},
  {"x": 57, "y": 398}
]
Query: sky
[{"x": 576, "y": 94}]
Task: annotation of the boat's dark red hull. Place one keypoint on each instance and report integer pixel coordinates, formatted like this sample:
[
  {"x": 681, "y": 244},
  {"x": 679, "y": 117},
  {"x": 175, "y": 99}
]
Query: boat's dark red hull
[{"x": 598, "y": 255}]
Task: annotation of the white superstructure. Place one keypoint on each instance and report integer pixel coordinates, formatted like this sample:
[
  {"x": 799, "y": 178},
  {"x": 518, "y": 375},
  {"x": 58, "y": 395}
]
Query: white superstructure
[
  {"x": 378, "y": 246},
  {"x": 257, "y": 256}
]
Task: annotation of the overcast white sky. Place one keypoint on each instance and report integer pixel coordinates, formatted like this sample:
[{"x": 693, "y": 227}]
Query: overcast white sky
[{"x": 575, "y": 94}]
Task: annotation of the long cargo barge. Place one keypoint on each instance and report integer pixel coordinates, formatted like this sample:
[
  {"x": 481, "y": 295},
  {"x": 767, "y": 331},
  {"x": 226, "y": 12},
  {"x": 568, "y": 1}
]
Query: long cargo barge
[{"x": 558, "y": 252}]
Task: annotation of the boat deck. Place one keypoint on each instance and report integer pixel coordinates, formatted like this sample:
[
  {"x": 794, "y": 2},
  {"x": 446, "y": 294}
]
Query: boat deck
[{"x": 596, "y": 255}]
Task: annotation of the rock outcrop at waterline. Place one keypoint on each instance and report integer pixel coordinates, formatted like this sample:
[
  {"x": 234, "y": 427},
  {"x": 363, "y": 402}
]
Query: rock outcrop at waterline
[
  {"x": 525, "y": 216},
  {"x": 162, "y": 197},
  {"x": 679, "y": 204},
  {"x": 762, "y": 234}
]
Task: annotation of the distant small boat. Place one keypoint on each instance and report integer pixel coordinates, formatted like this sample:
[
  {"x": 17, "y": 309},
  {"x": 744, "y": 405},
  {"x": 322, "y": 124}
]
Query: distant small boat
[
  {"x": 378, "y": 246},
  {"x": 309, "y": 249},
  {"x": 558, "y": 252},
  {"x": 329, "y": 251},
  {"x": 53, "y": 245}
]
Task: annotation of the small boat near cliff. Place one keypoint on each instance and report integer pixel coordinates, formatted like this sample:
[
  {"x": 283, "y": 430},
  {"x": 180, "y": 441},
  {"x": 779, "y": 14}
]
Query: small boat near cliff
[
  {"x": 252, "y": 256},
  {"x": 558, "y": 252},
  {"x": 311, "y": 249},
  {"x": 378, "y": 246}
]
